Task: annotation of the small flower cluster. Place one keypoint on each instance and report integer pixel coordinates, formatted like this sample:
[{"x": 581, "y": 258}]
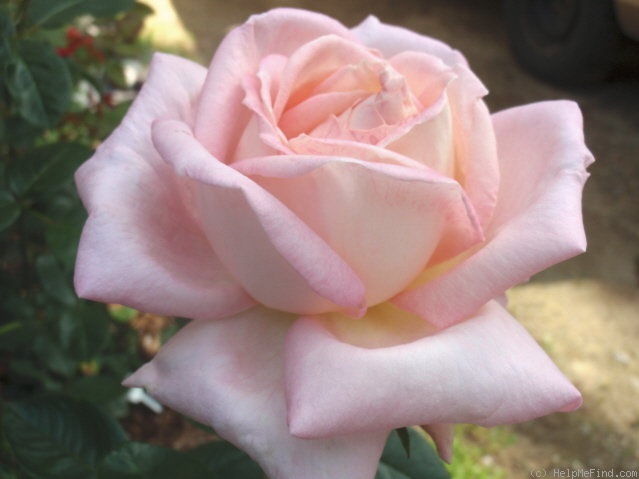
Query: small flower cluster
[{"x": 77, "y": 39}]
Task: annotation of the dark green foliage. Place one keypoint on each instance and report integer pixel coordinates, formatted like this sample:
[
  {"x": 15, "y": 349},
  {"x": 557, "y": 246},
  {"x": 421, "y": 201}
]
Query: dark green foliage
[
  {"x": 424, "y": 463},
  {"x": 55, "y": 437},
  {"x": 38, "y": 82},
  {"x": 136, "y": 460},
  {"x": 9, "y": 209},
  {"x": 225, "y": 460},
  {"x": 54, "y": 14},
  {"x": 46, "y": 168},
  {"x": 51, "y": 341}
]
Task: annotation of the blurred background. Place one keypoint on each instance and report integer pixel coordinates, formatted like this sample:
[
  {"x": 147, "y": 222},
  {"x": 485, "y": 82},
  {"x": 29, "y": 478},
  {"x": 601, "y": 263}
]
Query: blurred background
[{"x": 584, "y": 312}]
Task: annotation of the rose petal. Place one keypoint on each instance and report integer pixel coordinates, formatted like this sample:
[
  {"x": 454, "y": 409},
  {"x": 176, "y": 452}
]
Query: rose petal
[
  {"x": 391, "y": 40},
  {"x": 443, "y": 435},
  {"x": 428, "y": 139},
  {"x": 305, "y": 145},
  {"x": 140, "y": 246},
  {"x": 537, "y": 221},
  {"x": 486, "y": 370},
  {"x": 476, "y": 161},
  {"x": 309, "y": 114},
  {"x": 414, "y": 211},
  {"x": 282, "y": 31},
  {"x": 340, "y": 90},
  {"x": 427, "y": 75},
  {"x": 259, "y": 141},
  {"x": 262, "y": 136},
  {"x": 387, "y": 115},
  {"x": 312, "y": 64},
  {"x": 278, "y": 259},
  {"x": 171, "y": 90},
  {"x": 470, "y": 126},
  {"x": 228, "y": 374}
]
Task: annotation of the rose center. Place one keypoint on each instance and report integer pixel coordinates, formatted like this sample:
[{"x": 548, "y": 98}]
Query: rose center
[{"x": 372, "y": 118}]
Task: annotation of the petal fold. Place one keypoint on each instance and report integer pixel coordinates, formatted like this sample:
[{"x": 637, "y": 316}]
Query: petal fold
[
  {"x": 486, "y": 370},
  {"x": 277, "y": 258},
  {"x": 537, "y": 221},
  {"x": 386, "y": 221},
  {"x": 443, "y": 435},
  {"x": 477, "y": 162},
  {"x": 141, "y": 245},
  {"x": 228, "y": 374}
]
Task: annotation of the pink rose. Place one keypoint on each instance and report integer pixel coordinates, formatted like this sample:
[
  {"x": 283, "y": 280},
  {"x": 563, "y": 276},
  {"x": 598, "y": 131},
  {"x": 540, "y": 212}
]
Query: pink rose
[{"x": 341, "y": 215}]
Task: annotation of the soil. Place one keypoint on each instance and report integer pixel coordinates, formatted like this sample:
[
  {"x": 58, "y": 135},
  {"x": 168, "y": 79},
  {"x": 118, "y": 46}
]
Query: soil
[{"x": 584, "y": 312}]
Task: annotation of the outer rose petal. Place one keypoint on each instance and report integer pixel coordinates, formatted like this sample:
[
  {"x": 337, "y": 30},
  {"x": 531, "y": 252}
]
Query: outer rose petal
[
  {"x": 140, "y": 245},
  {"x": 392, "y": 40},
  {"x": 278, "y": 259},
  {"x": 443, "y": 435},
  {"x": 228, "y": 374},
  {"x": 277, "y": 32},
  {"x": 486, "y": 370},
  {"x": 537, "y": 221}
]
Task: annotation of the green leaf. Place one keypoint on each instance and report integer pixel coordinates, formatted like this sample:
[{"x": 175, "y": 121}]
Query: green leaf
[
  {"x": 102, "y": 9},
  {"x": 144, "y": 461},
  {"x": 19, "y": 133},
  {"x": 225, "y": 460},
  {"x": 62, "y": 240},
  {"x": 46, "y": 167},
  {"x": 84, "y": 331},
  {"x": 27, "y": 373},
  {"x": 64, "y": 207},
  {"x": 404, "y": 437},
  {"x": 99, "y": 390},
  {"x": 7, "y": 33},
  {"x": 24, "y": 92},
  {"x": 39, "y": 83},
  {"x": 50, "y": 357},
  {"x": 424, "y": 462},
  {"x": 54, "y": 14},
  {"x": 115, "y": 75},
  {"x": 114, "y": 401},
  {"x": 5, "y": 473},
  {"x": 60, "y": 438},
  {"x": 130, "y": 26},
  {"x": 54, "y": 281},
  {"x": 9, "y": 210}
]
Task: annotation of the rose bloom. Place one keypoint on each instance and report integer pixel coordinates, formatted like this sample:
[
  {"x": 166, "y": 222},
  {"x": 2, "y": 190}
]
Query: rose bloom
[{"x": 340, "y": 215}]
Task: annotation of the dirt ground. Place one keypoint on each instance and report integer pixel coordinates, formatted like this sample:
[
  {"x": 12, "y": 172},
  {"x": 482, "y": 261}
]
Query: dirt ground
[{"x": 585, "y": 312}]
